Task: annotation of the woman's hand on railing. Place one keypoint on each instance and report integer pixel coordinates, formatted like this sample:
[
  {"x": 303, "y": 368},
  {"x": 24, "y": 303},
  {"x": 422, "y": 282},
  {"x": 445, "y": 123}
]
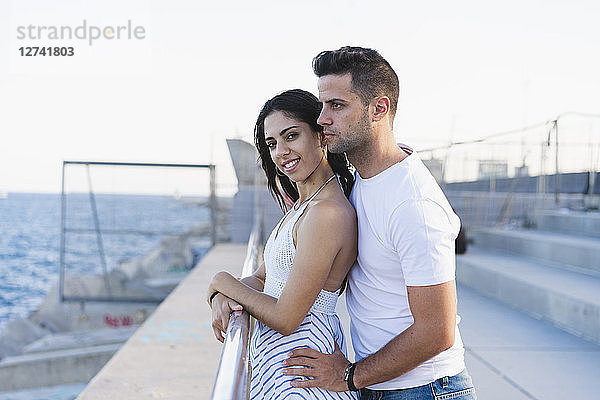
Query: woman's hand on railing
[{"x": 222, "y": 307}]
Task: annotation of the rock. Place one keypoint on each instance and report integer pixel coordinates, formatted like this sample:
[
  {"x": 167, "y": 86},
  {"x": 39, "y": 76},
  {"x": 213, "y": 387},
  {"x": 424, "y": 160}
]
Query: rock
[
  {"x": 173, "y": 254},
  {"x": 17, "y": 334}
]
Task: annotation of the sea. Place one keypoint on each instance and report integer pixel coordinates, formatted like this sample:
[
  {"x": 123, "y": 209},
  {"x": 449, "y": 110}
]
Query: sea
[{"x": 30, "y": 228}]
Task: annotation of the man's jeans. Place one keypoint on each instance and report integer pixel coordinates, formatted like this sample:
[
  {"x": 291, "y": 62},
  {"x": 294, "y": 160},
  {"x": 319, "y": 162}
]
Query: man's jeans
[{"x": 457, "y": 387}]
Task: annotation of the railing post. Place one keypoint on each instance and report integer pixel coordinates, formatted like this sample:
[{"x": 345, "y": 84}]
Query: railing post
[
  {"x": 64, "y": 230},
  {"x": 99, "y": 241},
  {"x": 542, "y": 175},
  {"x": 61, "y": 264},
  {"x": 557, "y": 175}
]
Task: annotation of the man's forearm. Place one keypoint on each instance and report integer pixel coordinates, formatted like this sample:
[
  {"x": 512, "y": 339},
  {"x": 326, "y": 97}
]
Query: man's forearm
[
  {"x": 434, "y": 314},
  {"x": 402, "y": 354}
]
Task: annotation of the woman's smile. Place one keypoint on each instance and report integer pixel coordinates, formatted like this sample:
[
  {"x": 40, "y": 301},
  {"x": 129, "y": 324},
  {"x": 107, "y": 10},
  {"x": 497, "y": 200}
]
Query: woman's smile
[{"x": 290, "y": 165}]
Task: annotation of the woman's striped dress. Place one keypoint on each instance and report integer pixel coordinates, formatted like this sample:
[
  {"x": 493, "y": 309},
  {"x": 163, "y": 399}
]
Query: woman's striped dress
[{"x": 320, "y": 329}]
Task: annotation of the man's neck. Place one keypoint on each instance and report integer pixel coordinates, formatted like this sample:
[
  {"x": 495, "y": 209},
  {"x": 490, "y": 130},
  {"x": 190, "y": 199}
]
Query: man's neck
[{"x": 376, "y": 156}]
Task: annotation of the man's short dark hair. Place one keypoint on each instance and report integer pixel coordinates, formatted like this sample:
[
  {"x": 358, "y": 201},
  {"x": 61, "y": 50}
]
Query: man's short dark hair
[{"x": 372, "y": 75}]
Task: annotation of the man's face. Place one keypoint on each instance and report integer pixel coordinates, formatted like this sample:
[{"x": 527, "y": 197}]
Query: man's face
[{"x": 344, "y": 118}]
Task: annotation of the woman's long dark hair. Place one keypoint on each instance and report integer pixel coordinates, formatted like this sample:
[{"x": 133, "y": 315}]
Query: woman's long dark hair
[{"x": 305, "y": 107}]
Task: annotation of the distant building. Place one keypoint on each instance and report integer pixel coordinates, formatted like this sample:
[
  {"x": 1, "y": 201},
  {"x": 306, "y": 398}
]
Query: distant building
[
  {"x": 523, "y": 170},
  {"x": 435, "y": 167},
  {"x": 492, "y": 168}
]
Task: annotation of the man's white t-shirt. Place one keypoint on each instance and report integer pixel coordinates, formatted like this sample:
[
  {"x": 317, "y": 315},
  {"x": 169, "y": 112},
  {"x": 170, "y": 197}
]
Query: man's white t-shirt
[{"x": 406, "y": 233}]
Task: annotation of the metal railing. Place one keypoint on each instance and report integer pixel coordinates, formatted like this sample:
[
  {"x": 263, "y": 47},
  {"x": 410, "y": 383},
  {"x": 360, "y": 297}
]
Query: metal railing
[
  {"x": 99, "y": 232},
  {"x": 232, "y": 375},
  {"x": 504, "y": 177},
  {"x": 486, "y": 209},
  {"x": 568, "y": 143},
  {"x": 232, "y": 381}
]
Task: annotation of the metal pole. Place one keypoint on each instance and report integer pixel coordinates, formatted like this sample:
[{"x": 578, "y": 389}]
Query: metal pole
[
  {"x": 98, "y": 233},
  {"x": 444, "y": 163},
  {"x": 556, "y": 176},
  {"x": 213, "y": 205},
  {"x": 542, "y": 175},
  {"x": 592, "y": 173},
  {"x": 61, "y": 265}
]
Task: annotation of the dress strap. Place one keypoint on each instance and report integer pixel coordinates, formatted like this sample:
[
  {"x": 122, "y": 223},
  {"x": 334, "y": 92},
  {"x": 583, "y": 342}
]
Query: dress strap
[
  {"x": 312, "y": 196},
  {"x": 300, "y": 210}
]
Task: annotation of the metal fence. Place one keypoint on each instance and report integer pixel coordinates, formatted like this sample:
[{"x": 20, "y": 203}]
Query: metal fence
[
  {"x": 95, "y": 229},
  {"x": 487, "y": 209},
  {"x": 504, "y": 177},
  {"x": 568, "y": 143}
]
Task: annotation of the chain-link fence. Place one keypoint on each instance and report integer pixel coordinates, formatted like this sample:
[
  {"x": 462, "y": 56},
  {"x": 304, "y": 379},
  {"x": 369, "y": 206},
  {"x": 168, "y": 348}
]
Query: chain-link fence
[
  {"x": 130, "y": 231},
  {"x": 505, "y": 176}
]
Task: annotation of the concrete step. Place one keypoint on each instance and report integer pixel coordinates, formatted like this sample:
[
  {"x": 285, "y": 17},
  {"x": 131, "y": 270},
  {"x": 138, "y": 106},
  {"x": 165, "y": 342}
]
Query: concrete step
[
  {"x": 567, "y": 221},
  {"x": 54, "y": 368},
  {"x": 71, "y": 340},
  {"x": 511, "y": 355},
  {"x": 570, "y": 251},
  {"x": 567, "y": 299}
]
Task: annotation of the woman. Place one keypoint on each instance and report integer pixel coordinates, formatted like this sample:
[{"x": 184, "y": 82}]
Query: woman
[{"x": 307, "y": 256}]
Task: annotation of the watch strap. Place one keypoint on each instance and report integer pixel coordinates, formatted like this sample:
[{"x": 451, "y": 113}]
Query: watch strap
[{"x": 350, "y": 377}]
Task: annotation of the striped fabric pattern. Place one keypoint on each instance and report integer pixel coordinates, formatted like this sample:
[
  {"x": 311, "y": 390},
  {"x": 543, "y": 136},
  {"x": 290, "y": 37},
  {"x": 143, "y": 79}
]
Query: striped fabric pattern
[{"x": 269, "y": 348}]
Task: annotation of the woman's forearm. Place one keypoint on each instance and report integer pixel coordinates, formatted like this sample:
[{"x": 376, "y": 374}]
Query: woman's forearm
[
  {"x": 254, "y": 282},
  {"x": 249, "y": 294}
]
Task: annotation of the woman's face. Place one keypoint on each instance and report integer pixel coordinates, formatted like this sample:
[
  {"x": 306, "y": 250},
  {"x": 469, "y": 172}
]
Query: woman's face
[{"x": 294, "y": 147}]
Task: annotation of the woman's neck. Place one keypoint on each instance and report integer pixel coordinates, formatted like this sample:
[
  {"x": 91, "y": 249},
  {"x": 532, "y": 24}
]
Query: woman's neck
[{"x": 312, "y": 183}]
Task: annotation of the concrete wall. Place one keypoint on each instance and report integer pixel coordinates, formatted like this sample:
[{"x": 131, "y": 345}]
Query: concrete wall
[
  {"x": 46, "y": 369},
  {"x": 577, "y": 182},
  {"x": 174, "y": 355}
]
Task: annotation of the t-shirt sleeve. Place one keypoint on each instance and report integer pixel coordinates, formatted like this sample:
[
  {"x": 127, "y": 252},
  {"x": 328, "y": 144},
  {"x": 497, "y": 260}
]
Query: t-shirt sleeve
[{"x": 422, "y": 233}]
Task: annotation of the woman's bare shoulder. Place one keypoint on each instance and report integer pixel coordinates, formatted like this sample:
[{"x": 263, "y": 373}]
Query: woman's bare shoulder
[{"x": 333, "y": 213}]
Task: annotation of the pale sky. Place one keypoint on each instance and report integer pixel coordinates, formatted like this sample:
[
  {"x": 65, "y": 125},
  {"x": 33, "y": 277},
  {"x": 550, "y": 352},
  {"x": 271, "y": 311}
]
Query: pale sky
[{"x": 204, "y": 69}]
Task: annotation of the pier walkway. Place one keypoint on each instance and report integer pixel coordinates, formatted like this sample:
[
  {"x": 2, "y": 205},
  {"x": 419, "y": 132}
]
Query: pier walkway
[{"x": 509, "y": 354}]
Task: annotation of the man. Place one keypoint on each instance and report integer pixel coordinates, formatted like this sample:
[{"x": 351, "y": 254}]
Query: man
[{"x": 401, "y": 293}]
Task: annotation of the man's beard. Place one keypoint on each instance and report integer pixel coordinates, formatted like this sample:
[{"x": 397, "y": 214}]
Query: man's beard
[{"x": 354, "y": 139}]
